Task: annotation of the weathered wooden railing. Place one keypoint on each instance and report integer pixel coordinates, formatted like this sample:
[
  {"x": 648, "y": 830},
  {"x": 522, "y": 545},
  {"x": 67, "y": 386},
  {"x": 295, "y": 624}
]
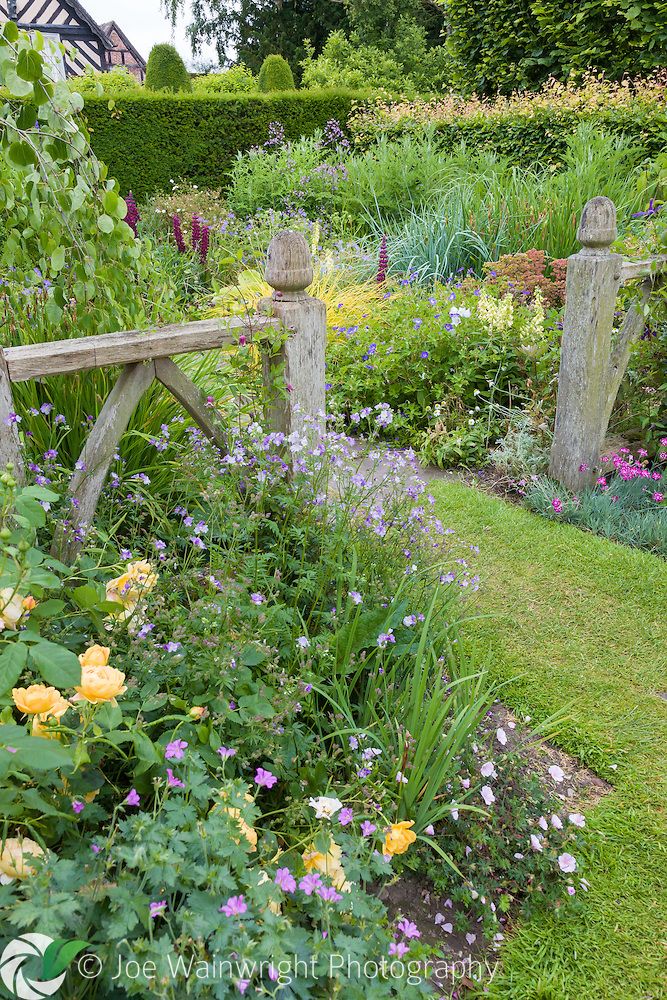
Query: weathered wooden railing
[
  {"x": 146, "y": 355},
  {"x": 593, "y": 359}
]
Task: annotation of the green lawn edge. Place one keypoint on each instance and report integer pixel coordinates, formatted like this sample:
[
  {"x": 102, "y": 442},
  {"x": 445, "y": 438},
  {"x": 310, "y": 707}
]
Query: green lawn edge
[{"x": 584, "y": 622}]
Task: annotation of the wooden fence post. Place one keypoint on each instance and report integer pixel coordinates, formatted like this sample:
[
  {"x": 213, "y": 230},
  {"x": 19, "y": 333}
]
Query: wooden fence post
[
  {"x": 10, "y": 444},
  {"x": 289, "y": 271},
  {"x": 582, "y": 414}
]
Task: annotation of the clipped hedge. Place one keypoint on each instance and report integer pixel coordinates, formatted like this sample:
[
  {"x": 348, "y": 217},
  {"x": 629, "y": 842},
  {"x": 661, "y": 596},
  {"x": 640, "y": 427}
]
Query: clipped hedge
[{"x": 152, "y": 139}]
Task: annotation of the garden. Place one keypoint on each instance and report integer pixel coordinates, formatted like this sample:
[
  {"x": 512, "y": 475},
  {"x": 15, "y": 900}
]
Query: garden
[{"x": 332, "y": 656}]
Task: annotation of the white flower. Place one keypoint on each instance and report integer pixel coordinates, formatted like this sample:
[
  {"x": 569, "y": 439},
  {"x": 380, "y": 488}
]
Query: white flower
[
  {"x": 324, "y": 807},
  {"x": 556, "y": 822},
  {"x": 303, "y": 641},
  {"x": 567, "y": 863},
  {"x": 430, "y": 830},
  {"x": 557, "y": 773},
  {"x": 577, "y": 819},
  {"x": 501, "y": 736},
  {"x": 487, "y": 795},
  {"x": 401, "y": 779},
  {"x": 542, "y": 823},
  {"x": 488, "y": 770},
  {"x": 535, "y": 842}
]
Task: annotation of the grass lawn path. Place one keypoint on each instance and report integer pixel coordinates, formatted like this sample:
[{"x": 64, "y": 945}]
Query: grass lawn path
[{"x": 584, "y": 621}]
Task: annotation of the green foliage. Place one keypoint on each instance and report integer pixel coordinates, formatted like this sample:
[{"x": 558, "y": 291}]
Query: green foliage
[
  {"x": 343, "y": 63},
  {"x": 250, "y": 30},
  {"x": 275, "y": 75},
  {"x": 507, "y": 45},
  {"x": 166, "y": 70},
  {"x": 464, "y": 352},
  {"x": 62, "y": 215},
  {"x": 237, "y": 80},
  {"x": 151, "y": 140},
  {"x": 92, "y": 82}
]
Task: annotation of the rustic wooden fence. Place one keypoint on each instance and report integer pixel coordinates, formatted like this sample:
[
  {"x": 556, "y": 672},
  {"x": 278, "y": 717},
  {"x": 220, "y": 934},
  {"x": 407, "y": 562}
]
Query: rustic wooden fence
[
  {"x": 593, "y": 356},
  {"x": 146, "y": 355}
]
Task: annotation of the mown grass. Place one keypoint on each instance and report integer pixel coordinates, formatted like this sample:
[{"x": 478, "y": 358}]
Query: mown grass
[{"x": 580, "y": 621}]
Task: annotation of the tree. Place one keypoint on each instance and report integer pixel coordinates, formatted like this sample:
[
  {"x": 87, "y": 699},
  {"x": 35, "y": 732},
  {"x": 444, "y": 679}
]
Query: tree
[{"x": 249, "y": 30}]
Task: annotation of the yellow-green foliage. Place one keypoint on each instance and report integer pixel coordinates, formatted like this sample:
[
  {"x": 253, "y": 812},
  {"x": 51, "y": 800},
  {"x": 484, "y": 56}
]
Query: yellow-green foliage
[{"x": 347, "y": 303}]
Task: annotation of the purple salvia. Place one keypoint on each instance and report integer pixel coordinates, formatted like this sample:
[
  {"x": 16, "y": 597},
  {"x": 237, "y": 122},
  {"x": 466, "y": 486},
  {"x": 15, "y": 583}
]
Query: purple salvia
[
  {"x": 383, "y": 261},
  {"x": 133, "y": 217},
  {"x": 196, "y": 232},
  {"x": 203, "y": 244},
  {"x": 178, "y": 234}
]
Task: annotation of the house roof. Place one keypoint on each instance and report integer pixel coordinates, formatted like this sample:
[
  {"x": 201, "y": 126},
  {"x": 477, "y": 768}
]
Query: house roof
[
  {"x": 110, "y": 26},
  {"x": 84, "y": 16}
]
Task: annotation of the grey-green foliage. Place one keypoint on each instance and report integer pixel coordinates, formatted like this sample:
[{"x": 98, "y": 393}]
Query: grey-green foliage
[{"x": 626, "y": 512}]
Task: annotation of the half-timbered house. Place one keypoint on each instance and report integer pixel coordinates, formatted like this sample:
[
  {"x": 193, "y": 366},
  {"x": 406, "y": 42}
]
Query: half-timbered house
[{"x": 67, "y": 21}]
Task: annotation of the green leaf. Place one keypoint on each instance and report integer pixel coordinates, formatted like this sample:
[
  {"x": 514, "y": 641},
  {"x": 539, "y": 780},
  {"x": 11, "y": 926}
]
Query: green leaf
[
  {"x": 34, "y": 753},
  {"x": 21, "y": 154},
  {"x": 10, "y": 31},
  {"x": 12, "y": 663},
  {"x": 86, "y": 596},
  {"x": 57, "y": 665},
  {"x": 30, "y": 65},
  {"x": 17, "y": 86},
  {"x": 252, "y": 656},
  {"x": 105, "y": 224},
  {"x": 58, "y": 259},
  {"x": 47, "y": 609}
]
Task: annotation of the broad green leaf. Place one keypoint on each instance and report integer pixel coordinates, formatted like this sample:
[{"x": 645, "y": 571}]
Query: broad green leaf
[
  {"x": 105, "y": 224},
  {"x": 12, "y": 663},
  {"x": 57, "y": 665}
]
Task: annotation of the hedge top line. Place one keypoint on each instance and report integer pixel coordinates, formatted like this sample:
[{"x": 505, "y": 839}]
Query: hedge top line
[{"x": 192, "y": 97}]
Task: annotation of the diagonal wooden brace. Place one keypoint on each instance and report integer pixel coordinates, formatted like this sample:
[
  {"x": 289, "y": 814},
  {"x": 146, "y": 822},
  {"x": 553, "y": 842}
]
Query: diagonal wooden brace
[
  {"x": 191, "y": 399},
  {"x": 86, "y": 484}
]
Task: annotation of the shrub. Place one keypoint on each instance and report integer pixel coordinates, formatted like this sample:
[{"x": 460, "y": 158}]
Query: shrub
[
  {"x": 237, "y": 80},
  {"x": 166, "y": 70},
  {"x": 275, "y": 75},
  {"x": 149, "y": 141},
  {"x": 345, "y": 64},
  {"x": 118, "y": 80},
  {"x": 532, "y": 127},
  {"x": 508, "y": 45}
]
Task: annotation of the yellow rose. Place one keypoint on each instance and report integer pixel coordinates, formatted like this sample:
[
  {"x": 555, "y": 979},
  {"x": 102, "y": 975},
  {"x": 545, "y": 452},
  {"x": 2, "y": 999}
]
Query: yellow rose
[
  {"x": 29, "y": 602},
  {"x": 143, "y": 574},
  {"x": 100, "y": 683},
  {"x": 36, "y": 699},
  {"x": 13, "y": 857},
  {"x": 327, "y": 864},
  {"x": 11, "y": 608},
  {"x": 399, "y": 837},
  {"x": 57, "y": 710},
  {"x": 197, "y": 712},
  {"x": 95, "y": 656}
]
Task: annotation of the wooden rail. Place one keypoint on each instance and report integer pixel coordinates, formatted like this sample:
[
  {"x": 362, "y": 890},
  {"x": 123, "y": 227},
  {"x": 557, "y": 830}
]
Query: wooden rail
[
  {"x": 594, "y": 358},
  {"x": 65, "y": 356},
  {"x": 146, "y": 355}
]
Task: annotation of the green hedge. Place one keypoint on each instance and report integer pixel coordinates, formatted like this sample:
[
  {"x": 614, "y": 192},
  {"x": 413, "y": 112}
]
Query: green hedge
[
  {"x": 508, "y": 45},
  {"x": 528, "y": 138},
  {"x": 150, "y": 140}
]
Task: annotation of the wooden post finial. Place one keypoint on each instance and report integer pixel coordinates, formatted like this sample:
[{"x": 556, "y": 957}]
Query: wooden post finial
[
  {"x": 289, "y": 265},
  {"x": 597, "y": 229}
]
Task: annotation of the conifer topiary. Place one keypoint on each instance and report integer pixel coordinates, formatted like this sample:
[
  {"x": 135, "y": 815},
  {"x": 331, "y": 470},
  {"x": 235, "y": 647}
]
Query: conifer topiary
[
  {"x": 166, "y": 70},
  {"x": 275, "y": 74}
]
